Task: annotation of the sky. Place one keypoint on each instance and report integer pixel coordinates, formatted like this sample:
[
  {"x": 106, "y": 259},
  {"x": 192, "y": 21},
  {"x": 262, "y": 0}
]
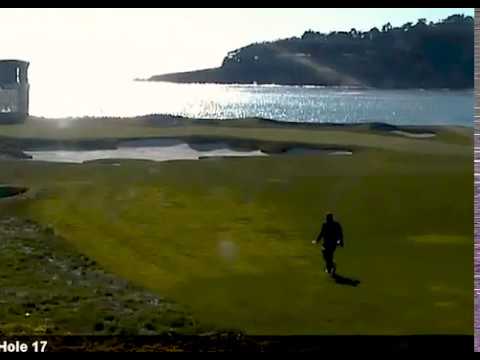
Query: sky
[{"x": 84, "y": 44}]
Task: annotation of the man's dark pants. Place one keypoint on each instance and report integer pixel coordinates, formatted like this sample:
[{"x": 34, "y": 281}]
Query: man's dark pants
[{"x": 328, "y": 252}]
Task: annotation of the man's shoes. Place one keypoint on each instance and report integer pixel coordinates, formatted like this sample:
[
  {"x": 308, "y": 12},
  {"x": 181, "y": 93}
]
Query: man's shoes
[{"x": 334, "y": 269}]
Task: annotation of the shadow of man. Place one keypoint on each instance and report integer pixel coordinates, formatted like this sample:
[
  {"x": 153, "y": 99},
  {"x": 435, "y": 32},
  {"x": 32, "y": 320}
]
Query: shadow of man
[{"x": 342, "y": 280}]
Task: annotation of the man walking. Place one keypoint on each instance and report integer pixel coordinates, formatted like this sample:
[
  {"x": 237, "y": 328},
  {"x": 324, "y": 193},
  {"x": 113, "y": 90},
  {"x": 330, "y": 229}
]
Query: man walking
[{"x": 332, "y": 236}]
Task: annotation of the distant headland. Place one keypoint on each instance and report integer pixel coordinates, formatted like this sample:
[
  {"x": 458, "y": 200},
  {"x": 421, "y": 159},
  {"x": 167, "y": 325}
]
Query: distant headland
[{"x": 420, "y": 55}]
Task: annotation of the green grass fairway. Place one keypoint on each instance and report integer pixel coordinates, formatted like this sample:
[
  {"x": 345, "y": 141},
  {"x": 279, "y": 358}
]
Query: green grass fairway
[{"x": 231, "y": 238}]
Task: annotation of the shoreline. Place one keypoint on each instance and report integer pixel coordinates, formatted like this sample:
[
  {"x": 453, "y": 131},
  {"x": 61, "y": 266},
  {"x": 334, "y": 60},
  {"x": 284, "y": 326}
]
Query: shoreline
[
  {"x": 171, "y": 119},
  {"x": 302, "y": 85}
]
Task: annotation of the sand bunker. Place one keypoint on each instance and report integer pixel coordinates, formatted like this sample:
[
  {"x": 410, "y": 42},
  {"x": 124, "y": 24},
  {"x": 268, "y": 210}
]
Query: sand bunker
[
  {"x": 169, "y": 149},
  {"x": 156, "y": 150},
  {"x": 413, "y": 135}
]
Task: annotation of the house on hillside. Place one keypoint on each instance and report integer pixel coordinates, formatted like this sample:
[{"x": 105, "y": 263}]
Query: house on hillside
[{"x": 14, "y": 90}]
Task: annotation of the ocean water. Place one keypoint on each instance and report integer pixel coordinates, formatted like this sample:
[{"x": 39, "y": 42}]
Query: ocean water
[{"x": 285, "y": 103}]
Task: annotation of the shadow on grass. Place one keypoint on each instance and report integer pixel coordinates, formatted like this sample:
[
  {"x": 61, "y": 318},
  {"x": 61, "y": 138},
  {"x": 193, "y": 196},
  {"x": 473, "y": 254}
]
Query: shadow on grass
[{"x": 342, "y": 280}]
